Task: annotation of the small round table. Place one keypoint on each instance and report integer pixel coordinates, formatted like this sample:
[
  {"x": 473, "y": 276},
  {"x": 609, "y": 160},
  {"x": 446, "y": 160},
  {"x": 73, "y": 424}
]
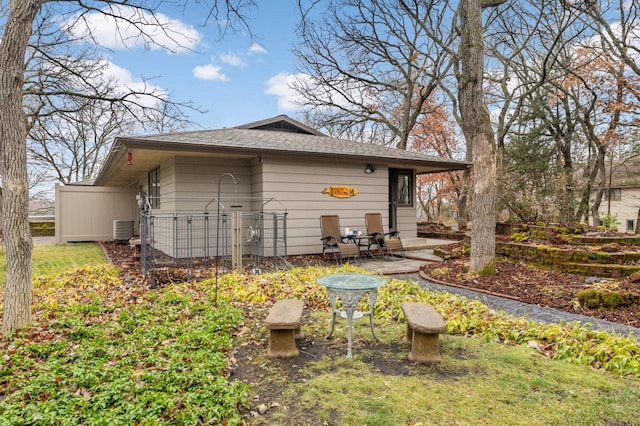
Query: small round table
[{"x": 350, "y": 287}]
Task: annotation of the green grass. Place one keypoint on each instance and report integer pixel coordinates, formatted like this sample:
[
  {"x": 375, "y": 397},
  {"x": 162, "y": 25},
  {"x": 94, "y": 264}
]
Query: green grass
[
  {"x": 54, "y": 259},
  {"x": 101, "y": 352},
  {"x": 476, "y": 383}
]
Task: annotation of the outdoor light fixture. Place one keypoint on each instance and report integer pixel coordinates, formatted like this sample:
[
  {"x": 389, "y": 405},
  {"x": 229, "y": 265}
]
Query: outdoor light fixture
[
  {"x": 129, "y": 158},
  {"x": 369, "y": 169}
]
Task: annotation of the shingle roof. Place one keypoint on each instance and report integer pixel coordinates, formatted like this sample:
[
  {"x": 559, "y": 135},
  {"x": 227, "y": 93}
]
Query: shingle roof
[
  {"x": 280, "y": 135},
  {"x": 235, "y": 139}
]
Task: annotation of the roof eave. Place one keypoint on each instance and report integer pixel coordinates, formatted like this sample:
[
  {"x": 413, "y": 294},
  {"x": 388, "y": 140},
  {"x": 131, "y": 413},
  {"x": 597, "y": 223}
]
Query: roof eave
[
  {"x": 114, "y": 157},
  {"x": 132, "y": 143}
]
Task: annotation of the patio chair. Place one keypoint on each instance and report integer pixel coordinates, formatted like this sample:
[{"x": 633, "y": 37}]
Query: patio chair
[
  {"x": 333, "y": 242},
  {"x": 389, "y": 242}
]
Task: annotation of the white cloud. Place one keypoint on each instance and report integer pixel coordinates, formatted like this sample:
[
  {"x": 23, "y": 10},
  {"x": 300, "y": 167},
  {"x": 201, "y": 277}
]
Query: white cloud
[
  {"x": 256, "y": 48},
  {"x": 209, "y": 72},
  {"x": 119, "y": 81},
  {"x": 233, "y": 60},
  {"x": 126, "y": 83},
  {"x": 281, "y": 85},
  {"x": 289, "y": 100},
  {"x": 135, "y": 28}
]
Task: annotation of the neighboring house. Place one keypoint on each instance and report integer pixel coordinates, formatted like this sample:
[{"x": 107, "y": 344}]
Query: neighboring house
[
  {"x": 281, "y": 165},
  {"x": 622, "y": 195}
]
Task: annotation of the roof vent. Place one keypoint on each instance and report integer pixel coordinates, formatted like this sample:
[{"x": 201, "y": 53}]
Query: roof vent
[{"x": 122, "y": 229}]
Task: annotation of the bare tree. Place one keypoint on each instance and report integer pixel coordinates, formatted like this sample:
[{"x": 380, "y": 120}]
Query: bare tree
[
  {"x": 371, "y": 63},
  {"x": 476, "y": 126},
  {"x": 614, "y": 49},
  {"x": 71, "y": 147},
  {"x": 72, "y": 106},
  {"x": 528, "y": 50},
  {"x": 18, "y": 30},
  {"x": 572, "y": 89},
  {"x": 616, "y": 24}
]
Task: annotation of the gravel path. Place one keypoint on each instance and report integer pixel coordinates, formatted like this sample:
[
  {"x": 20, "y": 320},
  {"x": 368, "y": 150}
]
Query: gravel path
[{"x": 533, "y": 312}]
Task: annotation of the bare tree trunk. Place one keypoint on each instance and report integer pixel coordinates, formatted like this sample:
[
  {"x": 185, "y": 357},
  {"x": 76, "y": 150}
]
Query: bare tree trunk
[
  {"x": 13, "y": 165},
  {"x": 597, "y": 200},
  {"x": 476, "y": 126}
]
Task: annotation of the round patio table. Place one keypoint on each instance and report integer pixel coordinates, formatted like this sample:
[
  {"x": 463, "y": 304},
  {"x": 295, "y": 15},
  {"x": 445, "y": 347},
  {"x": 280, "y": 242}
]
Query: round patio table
[{"x": 350, "y": 287}]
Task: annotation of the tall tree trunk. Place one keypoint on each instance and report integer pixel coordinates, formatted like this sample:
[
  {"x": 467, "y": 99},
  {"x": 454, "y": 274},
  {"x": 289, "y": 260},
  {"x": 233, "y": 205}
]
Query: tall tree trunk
[
  {"x": 13, "y": 164},
  {"x": 597, "y": 200},
  {"x": 476, "y": 125}
]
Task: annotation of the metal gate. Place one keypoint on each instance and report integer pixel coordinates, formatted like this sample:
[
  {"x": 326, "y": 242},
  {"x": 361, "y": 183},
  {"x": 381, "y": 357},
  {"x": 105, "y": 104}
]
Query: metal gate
[{"x": 202, "y": 241}]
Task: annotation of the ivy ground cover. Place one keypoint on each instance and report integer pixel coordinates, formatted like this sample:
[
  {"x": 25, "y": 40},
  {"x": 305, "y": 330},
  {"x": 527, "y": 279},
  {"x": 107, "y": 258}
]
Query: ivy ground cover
[{"x": 105, "y": 352}]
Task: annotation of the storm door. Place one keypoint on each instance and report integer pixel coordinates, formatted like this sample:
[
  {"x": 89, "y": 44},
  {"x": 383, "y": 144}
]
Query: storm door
[{"x": 400, "y": 194}]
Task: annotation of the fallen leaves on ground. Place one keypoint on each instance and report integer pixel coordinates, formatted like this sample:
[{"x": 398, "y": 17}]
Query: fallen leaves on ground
[{"x": 533, "y": 285}]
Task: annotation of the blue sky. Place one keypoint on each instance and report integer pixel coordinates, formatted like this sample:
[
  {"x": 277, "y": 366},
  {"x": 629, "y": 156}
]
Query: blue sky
[{"x": 236, "y": 80}]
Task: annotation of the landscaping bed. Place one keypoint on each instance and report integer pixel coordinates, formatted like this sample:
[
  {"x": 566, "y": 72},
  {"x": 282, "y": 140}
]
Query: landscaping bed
[
  {"x": 538, "y": 286},
  {"x": 104, "y": 350},
  {"x": 528, "y": 284}
]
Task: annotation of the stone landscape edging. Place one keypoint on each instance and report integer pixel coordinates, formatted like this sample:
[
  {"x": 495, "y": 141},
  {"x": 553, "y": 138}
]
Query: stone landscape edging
[{"x": 479, "y": 290}]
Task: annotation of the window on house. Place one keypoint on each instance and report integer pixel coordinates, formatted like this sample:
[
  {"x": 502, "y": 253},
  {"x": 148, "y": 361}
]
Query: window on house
[
  {"x": 154, "y": 188},
  {"x": 631, "y": 225},
  {"x": 613, "y": 194},
  {"x": 405, "y": 188}
]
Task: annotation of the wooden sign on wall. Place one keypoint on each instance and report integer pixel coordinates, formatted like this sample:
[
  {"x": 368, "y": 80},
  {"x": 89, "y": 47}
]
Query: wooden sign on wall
[{"x": 340, "y": 191}]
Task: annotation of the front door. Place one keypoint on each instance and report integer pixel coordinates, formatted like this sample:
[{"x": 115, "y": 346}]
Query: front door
[{"x": 400, "y": 194}]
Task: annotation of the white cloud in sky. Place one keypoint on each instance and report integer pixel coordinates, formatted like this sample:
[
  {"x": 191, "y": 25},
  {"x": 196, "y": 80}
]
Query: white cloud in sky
[
  {"x": 135, "y": 28},
  {"x": 126, "y": 83},
  {"x": 256, "y": 48},
  {"x": 120, "y": 81},
  {"x": 280, "y": 85},
  {"x": 233, "y": 60},
  {"x": 289, "y": 100},
  {"x": 214, "y": 72},
  {"x": 209, "y": 72}
]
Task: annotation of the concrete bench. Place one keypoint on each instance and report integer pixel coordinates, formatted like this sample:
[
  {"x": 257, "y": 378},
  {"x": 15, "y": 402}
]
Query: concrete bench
[
  {"x": 283, "y": 321},
  {"x": 424, "y": 325}
]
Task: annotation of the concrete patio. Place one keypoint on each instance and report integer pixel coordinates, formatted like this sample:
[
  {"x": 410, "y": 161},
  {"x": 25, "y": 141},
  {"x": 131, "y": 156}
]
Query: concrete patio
[{"x": 419, "y": 251}]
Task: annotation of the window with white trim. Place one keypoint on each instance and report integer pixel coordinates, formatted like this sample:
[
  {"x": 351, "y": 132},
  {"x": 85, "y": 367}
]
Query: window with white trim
[
  {"x": 405, "y": 188},
  {"x": 154, "y": 188}
]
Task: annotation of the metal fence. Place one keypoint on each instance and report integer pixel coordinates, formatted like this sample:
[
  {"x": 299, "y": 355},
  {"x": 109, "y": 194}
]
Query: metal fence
[{"x": 202, "y": 241}]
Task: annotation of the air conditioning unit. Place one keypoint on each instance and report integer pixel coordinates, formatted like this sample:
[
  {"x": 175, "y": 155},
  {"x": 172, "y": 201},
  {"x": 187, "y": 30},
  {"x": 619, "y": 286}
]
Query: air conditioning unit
[{"x": 122, "y": 230}]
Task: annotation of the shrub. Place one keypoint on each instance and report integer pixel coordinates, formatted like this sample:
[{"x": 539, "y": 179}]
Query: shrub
[
  {"x": 609, "y": 222},
  {"x": 519, "y": 236},
  {"x": 589, "y": 298},
  {"x": 613, "y": 299}
]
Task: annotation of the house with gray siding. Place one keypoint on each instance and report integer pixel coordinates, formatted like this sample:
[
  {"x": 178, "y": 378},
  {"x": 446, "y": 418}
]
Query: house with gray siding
[{"x": 278, "y": 165}]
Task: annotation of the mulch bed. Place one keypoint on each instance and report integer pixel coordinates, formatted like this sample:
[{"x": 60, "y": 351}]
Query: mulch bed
[{"x": 536, "y": 286}]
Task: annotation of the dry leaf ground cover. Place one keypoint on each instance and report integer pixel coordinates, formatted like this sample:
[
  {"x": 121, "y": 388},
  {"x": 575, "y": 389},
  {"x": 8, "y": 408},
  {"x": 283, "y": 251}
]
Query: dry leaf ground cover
[{"x": 538, "y": 286}]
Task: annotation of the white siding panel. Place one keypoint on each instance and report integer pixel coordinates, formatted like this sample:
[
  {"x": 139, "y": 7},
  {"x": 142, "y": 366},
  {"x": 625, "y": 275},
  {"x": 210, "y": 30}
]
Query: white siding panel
[
  {"x": 299, "y": 186},
  {"x": 197, "y": 181},
  {"x": 407, "y": 223},
  {"x": 190, "y": 183},
  {"x": 625, "y": 209},
  {"x": 86, "y": 213}
]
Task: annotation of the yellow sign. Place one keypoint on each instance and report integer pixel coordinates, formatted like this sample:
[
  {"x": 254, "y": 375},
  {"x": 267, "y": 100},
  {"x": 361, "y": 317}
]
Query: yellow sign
[{"x": 340, "y": 191}]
